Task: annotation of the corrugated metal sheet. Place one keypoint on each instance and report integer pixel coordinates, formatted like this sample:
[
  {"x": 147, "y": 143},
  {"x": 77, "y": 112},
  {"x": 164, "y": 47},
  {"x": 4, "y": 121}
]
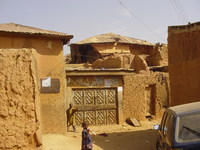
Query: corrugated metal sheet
[
  {"x": 17, "y": 28},
  {"x": 112, "y": 38}
]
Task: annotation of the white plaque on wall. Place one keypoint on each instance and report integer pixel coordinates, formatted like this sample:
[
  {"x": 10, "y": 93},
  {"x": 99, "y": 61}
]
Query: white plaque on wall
[
  {"x": 46, "y": 82},
  {"x": 119, "y": 89}
]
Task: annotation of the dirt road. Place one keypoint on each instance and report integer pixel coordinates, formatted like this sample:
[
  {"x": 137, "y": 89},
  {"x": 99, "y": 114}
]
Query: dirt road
[
  {"x": 118, "y": 137},
  {"x": 135, "y": 140}
]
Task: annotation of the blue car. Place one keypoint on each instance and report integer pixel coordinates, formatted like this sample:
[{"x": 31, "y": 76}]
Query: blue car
[{"x": 180, "y": 128}]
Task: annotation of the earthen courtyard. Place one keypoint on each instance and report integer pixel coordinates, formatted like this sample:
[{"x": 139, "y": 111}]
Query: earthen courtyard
[{"x": 115, "y": 137}]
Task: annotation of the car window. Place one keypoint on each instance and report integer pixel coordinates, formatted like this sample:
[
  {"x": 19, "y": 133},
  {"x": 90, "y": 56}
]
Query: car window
[{"x": 188, "y": 128}]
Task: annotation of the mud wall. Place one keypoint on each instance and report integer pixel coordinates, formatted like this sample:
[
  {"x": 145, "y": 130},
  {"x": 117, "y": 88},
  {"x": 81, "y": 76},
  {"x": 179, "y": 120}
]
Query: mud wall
[
  {"x": 19, "y": 100},
  {"x": 163, "y": 49},
  {"x": 141, "y": 49},
  {"x": 135, "y": 95},
  {"x": 112, "y": 48},
  {"x": 123, "y": 48},
  {"x": 138, "y": 63},
  {"x": 114, "y": 61},
  {"x": 158, "y": 56},
  {"x": 50, "y": 64},
  {"x": 108, "y": 62},
  {"x": 184, "y": 61}
]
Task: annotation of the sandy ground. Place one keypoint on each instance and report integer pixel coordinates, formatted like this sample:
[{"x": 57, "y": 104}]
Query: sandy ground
[{"x": 116, "y": 137}]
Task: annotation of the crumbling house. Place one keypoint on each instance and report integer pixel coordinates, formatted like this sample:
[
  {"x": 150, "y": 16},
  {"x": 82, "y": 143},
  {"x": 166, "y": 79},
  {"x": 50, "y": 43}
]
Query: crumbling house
[
  {"x": 130, "y": 73},
  {"x": 184, "y": 54},
  {"x": 115, "y": 51},
  {"x": 32, "y": 85}
]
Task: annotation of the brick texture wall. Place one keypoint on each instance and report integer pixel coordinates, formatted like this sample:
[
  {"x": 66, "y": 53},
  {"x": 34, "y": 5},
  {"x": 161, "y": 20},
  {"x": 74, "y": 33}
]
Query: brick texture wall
[{"x": 184, "y": 63}]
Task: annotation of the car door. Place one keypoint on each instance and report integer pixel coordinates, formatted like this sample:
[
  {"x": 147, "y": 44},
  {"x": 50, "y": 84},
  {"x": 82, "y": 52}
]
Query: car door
[
  {"x": 161, "y": 144},
  {"x": 166, "y": 131}
]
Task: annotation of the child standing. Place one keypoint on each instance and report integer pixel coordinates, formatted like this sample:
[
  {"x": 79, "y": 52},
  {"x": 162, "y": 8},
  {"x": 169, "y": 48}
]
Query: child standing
[
  {"x": 86, "y": 137},
  {"x": 70, "y": 117}
]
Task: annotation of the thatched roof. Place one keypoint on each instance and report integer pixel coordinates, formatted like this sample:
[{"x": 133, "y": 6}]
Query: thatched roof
[
  {"x": 112, "y": 38},
  {"x": 21, "y": 29}
]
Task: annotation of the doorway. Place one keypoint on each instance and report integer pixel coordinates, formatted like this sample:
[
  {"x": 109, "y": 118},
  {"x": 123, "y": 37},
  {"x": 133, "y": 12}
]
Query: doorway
[{"x": 150, "y": 100}]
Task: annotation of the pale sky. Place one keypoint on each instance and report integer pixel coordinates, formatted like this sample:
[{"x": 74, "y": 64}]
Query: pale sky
[{"x": 141, "y": 19}]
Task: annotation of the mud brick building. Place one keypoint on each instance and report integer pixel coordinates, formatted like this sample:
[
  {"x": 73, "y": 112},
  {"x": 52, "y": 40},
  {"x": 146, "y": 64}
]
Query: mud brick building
[
  {"x": 184, "y": 60},
  {"x": 113, "y": 77},
  {"x": 116, "y": 51},
  {"x": 32, "y": 85}
]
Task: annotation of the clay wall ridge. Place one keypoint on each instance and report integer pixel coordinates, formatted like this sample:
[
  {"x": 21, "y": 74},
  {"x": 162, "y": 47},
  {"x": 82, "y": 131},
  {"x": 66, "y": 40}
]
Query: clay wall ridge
[{"x": 190, "y": 27}]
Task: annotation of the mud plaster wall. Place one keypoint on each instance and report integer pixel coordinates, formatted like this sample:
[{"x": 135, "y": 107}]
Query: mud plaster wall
[
  {"x": 138, "y": 64},
  {"x": 122, "y": 54},
  {"x": 134, "y": 102},
  {"x": 157, "y": 55},
  {"x": 124, "y": 48},
  {"x": 163, "y": 49},
  {"x": 112, "y": 48},
  {"x": 19, "y": 100},
  {"x": 108, "y": 62},
  {"x": 50, "y": 64},
  {"x": 114, "y": 61},
  {"x": 141, "y": 49},
  {"x": 122, "y": 57},
  {"x": 184, "y": 62}
]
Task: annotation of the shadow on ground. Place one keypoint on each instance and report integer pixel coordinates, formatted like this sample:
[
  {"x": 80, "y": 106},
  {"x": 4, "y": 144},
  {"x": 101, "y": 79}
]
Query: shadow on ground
[{"x": 134, "y": 140}]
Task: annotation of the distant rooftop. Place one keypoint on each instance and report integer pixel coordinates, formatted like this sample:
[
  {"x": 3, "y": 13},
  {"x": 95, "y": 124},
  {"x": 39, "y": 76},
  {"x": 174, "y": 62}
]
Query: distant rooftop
[
  {"x": 21, "y": 29},
  {"x": 112, "y": 38}
]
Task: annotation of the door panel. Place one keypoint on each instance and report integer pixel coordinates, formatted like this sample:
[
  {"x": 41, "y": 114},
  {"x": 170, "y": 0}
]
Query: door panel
[
  {"x": 79, "y": 117},
  {"x": 100, "y": 97},
  {"x": 77, "y": 97},
  {"x": 90, "y": 117},
  {"x": 111, "y": 96},
  {"x": 96, "y": 106},
  {"x": 111, "y": 117},
  {"x": 89, "y": 97},
  {"x": 101, "y": 117}
]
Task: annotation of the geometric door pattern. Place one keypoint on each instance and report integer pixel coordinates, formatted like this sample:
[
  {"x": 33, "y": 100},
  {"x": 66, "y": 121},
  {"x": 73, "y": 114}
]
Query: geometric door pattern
[{"x": 96, "y": 106}]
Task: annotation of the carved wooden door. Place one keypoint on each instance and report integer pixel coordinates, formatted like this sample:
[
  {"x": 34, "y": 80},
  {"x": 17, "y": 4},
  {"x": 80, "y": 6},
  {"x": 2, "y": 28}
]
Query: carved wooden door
[{"x": 96, "y": 106}]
